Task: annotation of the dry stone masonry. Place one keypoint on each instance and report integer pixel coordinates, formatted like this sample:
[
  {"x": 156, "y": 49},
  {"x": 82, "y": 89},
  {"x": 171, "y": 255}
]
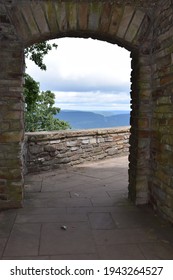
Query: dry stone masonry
[
  {"x": 51, "y": 150},
  {"x": 143, "y": 27}
]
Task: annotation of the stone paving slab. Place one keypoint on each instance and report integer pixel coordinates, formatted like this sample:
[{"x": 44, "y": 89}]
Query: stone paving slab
[
  {"x": 101, "y": 222},
  {"x": 97, "y": 173},
  {"x": 77, "y": 239},
  {"x": 120, "y": 252},
  {"x": 157, "y": 251},
  {"x": 27, "y": 258},
  {"x": 123, "y": 236},
  {"x": 35, "y": 203},
  {"x": 23, "y": 240},
  {"x": 61, "y": 184},
  {"x": 36, "y": 178},
  {"x": 50, "y": 218},
  {"x": 117, "y": 193},
  {"x": 3, "y": 242},
  {"x": 56, "y": 257},
  {"x": 91, "y": 194},
  {"x": 41, "y": 211},
  {"x": 92, "y": 209},
  {"x": 133, "y": 219},
  {"x": 33, "y": 186},
  {"x": 97, "y": 201},
  {"x": 47, "y": 195},
  {"x": 72, "y": 202},
  {"x": 75, "y": 257},
  {"x": 7, "y": 219},
  {"x": 115, "y": 184},
  {"x": 164, "y": 232}
]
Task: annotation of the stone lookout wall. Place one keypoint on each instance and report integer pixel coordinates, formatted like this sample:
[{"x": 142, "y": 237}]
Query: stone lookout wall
[{"x": 50, "y": 150}]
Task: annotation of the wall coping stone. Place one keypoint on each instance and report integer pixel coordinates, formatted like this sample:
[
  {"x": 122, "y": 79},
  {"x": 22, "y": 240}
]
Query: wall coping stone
[{"x": 44, "y": 135}]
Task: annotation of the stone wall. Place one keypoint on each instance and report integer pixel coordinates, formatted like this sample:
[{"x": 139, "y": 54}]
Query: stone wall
[
  {"x": 126, "y": 23},
  {"x": 50, "y": 150},
  {"x": 11, "y": 114},
  {"x": 161, "y": 180}
]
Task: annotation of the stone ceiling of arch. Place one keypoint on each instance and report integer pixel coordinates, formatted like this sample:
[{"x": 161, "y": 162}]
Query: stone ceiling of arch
[{"x": 127, "y": 21}]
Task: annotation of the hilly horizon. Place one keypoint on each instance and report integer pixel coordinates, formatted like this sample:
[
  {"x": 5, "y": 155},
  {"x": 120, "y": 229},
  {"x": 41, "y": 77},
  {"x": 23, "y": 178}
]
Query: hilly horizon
[{"x": 89, "y": 119}]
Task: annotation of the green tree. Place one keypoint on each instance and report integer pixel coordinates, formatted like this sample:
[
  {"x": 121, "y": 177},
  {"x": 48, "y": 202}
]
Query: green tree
[
  {"x": 39, "y": 106},
  {"x": 31, "y": 92},
  {"x": 37, "y": 52},
  {"x": 41, "y": 116}
]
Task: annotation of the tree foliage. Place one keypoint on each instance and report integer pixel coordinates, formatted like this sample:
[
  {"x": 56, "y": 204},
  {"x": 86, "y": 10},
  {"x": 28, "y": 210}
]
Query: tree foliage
[
  {"x": 40, "y": 110},
  {"x": 39, "y": 106},
  {"x": 31, "y": 92},
  {"x": 36, "y": 53}
]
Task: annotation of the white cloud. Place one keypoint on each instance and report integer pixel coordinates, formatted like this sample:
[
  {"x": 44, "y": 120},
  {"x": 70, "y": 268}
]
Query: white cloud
[
  {"x": 87, "y": 71},
  {"x": 95, "y": 100}
]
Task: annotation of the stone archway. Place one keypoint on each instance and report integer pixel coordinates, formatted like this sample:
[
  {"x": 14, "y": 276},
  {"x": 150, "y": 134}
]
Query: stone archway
[{"x": 127, "y": 23}]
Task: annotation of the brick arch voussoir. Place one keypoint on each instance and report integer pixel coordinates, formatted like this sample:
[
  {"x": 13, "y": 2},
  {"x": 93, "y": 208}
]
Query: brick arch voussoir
[{"x": 123, "y": 24}]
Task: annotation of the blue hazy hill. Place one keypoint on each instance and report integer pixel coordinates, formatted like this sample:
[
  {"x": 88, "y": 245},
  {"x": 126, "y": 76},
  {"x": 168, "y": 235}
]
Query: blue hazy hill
[{"x": 100, "y": 119}]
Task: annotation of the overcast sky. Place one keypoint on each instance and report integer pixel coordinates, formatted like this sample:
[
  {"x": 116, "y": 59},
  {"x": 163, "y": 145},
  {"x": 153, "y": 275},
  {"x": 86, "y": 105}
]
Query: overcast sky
[{"x": 86, "y": 74}]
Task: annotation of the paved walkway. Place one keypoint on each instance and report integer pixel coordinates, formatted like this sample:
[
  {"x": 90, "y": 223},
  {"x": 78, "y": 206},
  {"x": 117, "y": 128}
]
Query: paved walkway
[{"x": 83, "y": 213}]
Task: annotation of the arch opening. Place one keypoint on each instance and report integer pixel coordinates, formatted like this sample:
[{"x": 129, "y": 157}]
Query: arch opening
[
  {"x": 87, "y": 76},
  {"x": 101, "y": 97},
  {"x": 134, "y": 119}
]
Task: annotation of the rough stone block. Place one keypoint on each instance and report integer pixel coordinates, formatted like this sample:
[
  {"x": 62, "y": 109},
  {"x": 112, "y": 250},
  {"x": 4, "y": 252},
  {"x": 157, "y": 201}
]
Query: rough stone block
[
  {"x": 100, "y": 140},
  {"x": 11, "y": 137},
  {"x": 143, "y": 123},
  {"x": 166, "y": 80},
  {"x": 93, "y": 141},
  {"x": 39, "y": 16},
  {"x": 54, "y": 142},
  {"x": 112, "y": 151},
  {"x": 49, "y": 148},
  {"x": 64, "y": 160},
  {"x": 74, "y": 149},
  {"x": 109, "y": 139},
  {"x": 75, "y": 157},
  {"x": 94, "y": 15},
  {"x": 72, "y": 15},
  {"x": 105, "y": 17},
  {"x": 13, "y": 115},
  {"x": 134, "y": 25},
  {"x": 83, "y": 9},
  {"x": 36, "y": 149},
  {"x": 85, "y": 142},
  {"x": 19, "y": 23},
  {"x": 125, "y": 21},
  {"x": 50, "y": 11},
  {"x": 115, "y": 19},
  {"x": 28, "y": 15},
  {"x": 61, "y": 15},
  {"x": 71, "y": 143}
]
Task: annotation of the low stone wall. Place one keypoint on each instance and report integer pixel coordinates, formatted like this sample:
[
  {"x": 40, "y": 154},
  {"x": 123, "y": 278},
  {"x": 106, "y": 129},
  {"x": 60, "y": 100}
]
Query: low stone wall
[{"x": 49, "y": 150}]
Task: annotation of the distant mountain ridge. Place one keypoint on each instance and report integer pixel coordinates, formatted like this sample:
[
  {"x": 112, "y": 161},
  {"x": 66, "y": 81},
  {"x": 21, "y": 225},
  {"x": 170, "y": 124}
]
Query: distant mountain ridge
[{"x": 88, "y": 120}]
